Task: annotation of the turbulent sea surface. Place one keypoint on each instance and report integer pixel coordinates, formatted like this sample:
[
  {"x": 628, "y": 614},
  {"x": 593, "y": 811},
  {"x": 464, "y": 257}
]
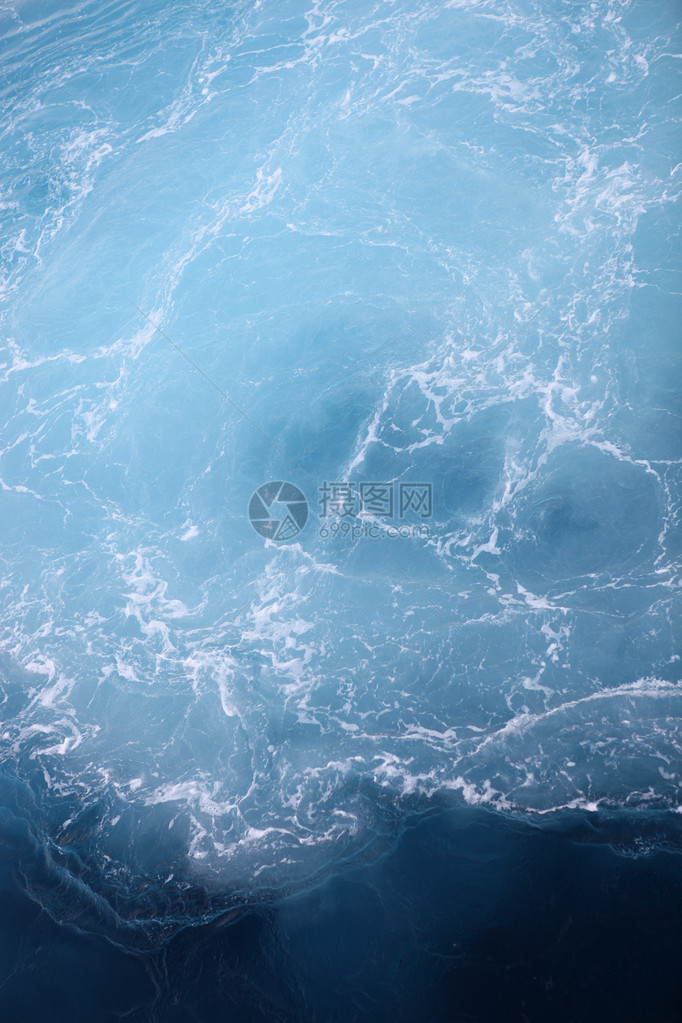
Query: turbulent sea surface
[{"x": 409, "y": 762}]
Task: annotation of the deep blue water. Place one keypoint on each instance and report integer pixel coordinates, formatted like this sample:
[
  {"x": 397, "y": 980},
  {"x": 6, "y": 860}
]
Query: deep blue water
[{"x": 340, "y": 502}]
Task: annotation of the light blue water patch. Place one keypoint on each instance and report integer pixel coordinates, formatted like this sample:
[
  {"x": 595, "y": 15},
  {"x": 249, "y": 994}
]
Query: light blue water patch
[{"x": 397, "y": 243}]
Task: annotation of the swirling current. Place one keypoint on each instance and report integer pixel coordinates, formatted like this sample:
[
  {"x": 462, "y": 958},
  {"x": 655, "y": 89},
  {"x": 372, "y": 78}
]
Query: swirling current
[{"x": 340, "y": 488}]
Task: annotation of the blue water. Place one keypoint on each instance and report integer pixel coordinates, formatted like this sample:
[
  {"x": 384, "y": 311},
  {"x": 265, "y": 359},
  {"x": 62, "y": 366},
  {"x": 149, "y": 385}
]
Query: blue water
[{"x": 383, "y": 764}]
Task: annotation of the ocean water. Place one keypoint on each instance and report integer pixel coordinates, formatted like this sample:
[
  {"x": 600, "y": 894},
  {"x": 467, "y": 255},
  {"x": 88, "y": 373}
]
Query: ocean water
[{"x": 340, "y": 378}]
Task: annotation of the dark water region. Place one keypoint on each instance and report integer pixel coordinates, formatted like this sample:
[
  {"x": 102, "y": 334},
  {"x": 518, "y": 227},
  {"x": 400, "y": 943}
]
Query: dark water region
[{"x": 471, "y": 915}]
